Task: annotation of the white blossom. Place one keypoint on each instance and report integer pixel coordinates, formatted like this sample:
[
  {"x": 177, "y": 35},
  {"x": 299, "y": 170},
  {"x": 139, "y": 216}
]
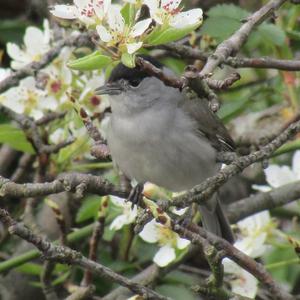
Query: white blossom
[
  {"x": 57, "y": 136},
  {"x": 242, "y": 283},
  {"x": 128, "y": 215},
  {"x": 36, "y": 44},
  {"x": 277, "y": 176},
  {"x": 27, "y": 99},
  {"x": 253, "y": 232},
  {"x": 89, "y": 12},
  {"x": 167, "y": 239},
  {"x": 118, "y": 33},
  {"x": 58, "y": 78},
  {"x": 4, "y": 73},
  {"x": 168, "y": 12},
  {"x": 88, "y": 83}
]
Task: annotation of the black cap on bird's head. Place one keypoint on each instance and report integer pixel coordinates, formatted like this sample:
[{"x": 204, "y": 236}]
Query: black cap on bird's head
[{"x": 132, "y": 75}]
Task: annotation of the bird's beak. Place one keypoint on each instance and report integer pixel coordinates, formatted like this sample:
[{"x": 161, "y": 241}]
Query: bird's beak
[{"x": 109, "y": 89}]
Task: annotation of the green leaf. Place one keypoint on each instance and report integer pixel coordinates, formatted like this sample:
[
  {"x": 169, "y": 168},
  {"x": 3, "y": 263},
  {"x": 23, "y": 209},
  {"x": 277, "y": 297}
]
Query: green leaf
[
  {"x": 94, "y": 61},
  {"x": 62, "y": 278},
  {"x": 177, "y": 65},
  {"x": 128, "y": 60},
  {"x": 128, "y": 13},
  {"x": 178, "y": 277},
  {"x": 212, "y": 27},
  {"x": 223, "y": 21},
  {"x": 230, "y": 11},
  {"x": 176, "y": 292},
  {"x": 88, "y": 209},
  {"x": 294, "y": 34},
  {"x": 162, "y": 35},
  {"x": 285, "y": 274},
  {"x": 12, "y": 30},
  {"x": 266, "y": 35},
  {"x": 270, "y": 33},
  {"x": 30, "y": 268},
  {"x": 15, "y": 138}
]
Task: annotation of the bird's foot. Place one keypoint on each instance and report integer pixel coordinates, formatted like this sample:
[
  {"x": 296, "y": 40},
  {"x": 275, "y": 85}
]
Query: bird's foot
[{"x": 136, "y": 195}]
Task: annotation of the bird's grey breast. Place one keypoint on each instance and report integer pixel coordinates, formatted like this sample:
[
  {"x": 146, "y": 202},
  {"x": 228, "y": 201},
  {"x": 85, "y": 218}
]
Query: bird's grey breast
[{"x": 161, "y": 144}]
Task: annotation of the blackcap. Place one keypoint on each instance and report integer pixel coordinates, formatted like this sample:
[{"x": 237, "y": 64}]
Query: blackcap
[{"x": 166, "y": 136}]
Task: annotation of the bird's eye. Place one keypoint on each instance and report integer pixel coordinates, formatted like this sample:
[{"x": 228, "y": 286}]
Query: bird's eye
[{"x": 134, "y": 82}]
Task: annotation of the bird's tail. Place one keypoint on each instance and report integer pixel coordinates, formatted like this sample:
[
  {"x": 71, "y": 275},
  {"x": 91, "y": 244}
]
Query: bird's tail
[{"x": 214, "y": 219}]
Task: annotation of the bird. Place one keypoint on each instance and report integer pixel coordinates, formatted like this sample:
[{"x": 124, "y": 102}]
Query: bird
[{"x": 167, "y": 136}]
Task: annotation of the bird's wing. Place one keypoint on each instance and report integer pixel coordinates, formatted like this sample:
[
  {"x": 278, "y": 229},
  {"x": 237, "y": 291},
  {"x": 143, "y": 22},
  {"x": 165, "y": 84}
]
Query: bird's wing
[{"x": 208, "y": 123}]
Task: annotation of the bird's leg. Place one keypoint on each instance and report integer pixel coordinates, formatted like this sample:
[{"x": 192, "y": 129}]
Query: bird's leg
[{"x": 136, "y": 194}]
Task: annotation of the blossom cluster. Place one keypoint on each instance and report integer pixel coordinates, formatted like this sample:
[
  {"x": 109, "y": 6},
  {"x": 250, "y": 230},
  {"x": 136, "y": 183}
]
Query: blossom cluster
[
  {"x": 50, "y": 90},
  {"x": 120, "y": 27}
]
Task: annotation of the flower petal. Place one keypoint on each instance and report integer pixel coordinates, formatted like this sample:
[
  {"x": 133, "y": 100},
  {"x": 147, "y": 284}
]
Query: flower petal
[
  {"x": 34, "y": 41},
  {"x": 149, "y": 234},
  {"x": 255, "y": 223},
  {"x": 47, "y": 32},
  {"x": 104, "y": 34},
  {"x": 17, "y": 54},
  {"x": 164, "y": 256},
  {"x": 101, "y": 8},
  {"x": 118, "y": 201},
  {"x": 153, "y": 5},
  {"x": 4, "y": 73},
  {"x": 133, "y": 47},
  {"x": 277, "y": 176},
  {"x": 243, "y": 283},
  {"x": 140, "y": 27},
  {"x": 182, "y": 243},
  {"x": 187, "y": 18},
  {"x": 82, "y": 4},
  {"x": 296, "y": 164},
  {"x": 118, "y": 222},
  {"x": 115, "y": 19},
  {"x": 57, "y": 136},
  {"x": 62, "y": 11},
  {"x": 170, "y": 5}
]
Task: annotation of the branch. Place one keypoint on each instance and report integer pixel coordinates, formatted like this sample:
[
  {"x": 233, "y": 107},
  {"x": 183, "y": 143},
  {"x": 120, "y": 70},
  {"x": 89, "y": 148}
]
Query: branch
[
  {"x": 33, "y": 254},
  {"x": 198, "y": 235},
  {"x": 235, "y": 62},
  {"x": 70, "y": 182},
  {"x": 235, "y": 42},
  {"x": 169, "y": 80},
  {"x": 153, "y": 273},
  {"x": 32, "y": 133},
  {"x": 191, "y": 78},
  {"x": 97, "y": 234},
  {"x": 66, "y": 255},
  {"x": 262, "y": 201},
  {"x": 264, "y": 63},
  {"x": 205, "y": 190},
  {"x": 223, "y": 84}
]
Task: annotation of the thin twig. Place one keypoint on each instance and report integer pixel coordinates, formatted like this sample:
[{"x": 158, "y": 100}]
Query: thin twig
[
  {"x": 65, "y": 182},
  {"x": 256, "y": 269},
  {"x": 188, "y": 52},
  {"x": 66, "y": 255},
  {"x": 233, "y": 44}
]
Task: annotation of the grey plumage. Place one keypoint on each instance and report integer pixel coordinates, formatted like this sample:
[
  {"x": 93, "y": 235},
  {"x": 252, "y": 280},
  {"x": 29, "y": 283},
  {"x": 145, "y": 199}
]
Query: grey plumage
[{"x": 159, "y": 134}]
